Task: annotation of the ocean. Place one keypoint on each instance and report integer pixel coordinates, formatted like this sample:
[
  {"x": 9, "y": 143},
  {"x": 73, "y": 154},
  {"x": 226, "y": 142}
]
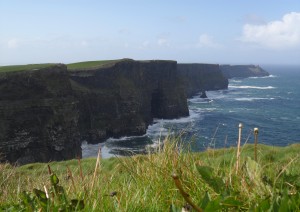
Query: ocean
[{"x": 272, "y": 104}]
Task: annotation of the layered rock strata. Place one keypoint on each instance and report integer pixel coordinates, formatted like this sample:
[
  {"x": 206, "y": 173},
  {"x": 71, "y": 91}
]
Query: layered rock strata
[{"x": 38, "y": 116}]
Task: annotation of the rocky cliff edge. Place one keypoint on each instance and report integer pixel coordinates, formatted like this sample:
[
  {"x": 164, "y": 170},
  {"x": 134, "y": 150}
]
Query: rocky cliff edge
[
  {"x": 243, "y": 71},
  {"x": 38, "y": 116}
]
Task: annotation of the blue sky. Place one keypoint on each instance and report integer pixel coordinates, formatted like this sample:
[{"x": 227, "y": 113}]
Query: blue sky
[{"x": 211, "y": 31}]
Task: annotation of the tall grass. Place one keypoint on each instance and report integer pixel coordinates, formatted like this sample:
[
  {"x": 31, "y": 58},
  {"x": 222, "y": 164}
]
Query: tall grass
[{"x": 163, "y": 180}]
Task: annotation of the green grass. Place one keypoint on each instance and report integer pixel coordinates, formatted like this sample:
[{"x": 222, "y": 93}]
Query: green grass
[
  {"x": 89, "y": 64},
  {"x": 158, "y": 181},
  {"x": 71, "y": 66},
  {"x": 24, "y": 67}
]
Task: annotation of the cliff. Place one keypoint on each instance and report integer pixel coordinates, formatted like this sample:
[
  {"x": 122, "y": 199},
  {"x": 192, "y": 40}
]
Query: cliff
[
  {"x": 45, "y": 111},
  {"x": 122, "y": 98},
  {"x": 242, "y": 71},
  {"x": 38, "y": 115},
  {"x": 201, "y": 77}
]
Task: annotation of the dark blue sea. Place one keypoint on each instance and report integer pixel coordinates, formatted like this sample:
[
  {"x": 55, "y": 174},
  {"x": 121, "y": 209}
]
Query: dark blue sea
[{"x": 271, "y": 104}]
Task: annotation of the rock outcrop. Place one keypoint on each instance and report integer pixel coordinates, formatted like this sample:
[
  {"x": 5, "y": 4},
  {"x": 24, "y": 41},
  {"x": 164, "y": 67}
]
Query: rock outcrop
[
  {"x": 38, "y": 116},
  {"x": 201, "y": 77},
  {"x": 123, "y": 97},
  {"x": 242, "y": 71}
]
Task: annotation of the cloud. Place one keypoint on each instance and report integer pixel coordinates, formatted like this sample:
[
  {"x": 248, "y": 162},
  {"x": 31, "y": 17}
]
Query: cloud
[
  {"x": 13, "y": 43},
  {"x": 84, "y": 43},
  {"x": 163, "y": 42},
  {"x": 207, "y": 41},
  {"x": 276, "y": 34},
  {"x": 145, "y": 44}
]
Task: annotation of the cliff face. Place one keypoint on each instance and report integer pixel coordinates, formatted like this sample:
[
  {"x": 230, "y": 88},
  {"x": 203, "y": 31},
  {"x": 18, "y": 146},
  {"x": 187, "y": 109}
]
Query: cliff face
[
  {"x": 201, "y": 77},
  {"x": 45, "y": 112},
  {"x": 124, "y": 97},
  {"x": 242, "y": 71},
  {"x": 38, "y": 116}
]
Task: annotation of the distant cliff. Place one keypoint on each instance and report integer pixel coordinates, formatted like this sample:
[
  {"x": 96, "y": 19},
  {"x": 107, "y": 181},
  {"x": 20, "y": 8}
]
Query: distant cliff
[
  {"x": 38, "y": 116},
  {"x": 201, "y": 77},
  {"x": 243, "y": 71},
  {"x": 123, "y": 97}
]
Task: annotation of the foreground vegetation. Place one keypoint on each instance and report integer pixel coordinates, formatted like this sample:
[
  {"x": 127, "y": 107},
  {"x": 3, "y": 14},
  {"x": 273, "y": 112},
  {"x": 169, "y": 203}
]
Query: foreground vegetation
[{"x": 167, "y": 180}]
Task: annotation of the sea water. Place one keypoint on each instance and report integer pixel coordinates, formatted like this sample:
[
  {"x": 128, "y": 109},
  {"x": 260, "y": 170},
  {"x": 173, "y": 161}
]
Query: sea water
[{"x": 272, "y": 104}]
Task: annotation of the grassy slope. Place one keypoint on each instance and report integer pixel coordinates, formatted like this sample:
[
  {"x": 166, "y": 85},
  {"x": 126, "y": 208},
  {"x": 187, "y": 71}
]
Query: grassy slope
[
  {"x": 24, "y": 67},
  {"x": 89, "y": 64},
  {"x": 79, "y": 65},
  {"x": 144, "y": 183}
]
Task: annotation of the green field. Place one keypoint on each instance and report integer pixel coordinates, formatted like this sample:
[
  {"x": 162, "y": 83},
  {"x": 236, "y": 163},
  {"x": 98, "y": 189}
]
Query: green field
[
  {"x": 166, "y": 180},
  {"x": 24, "y": 67},
  {"x": 71, "y": 66},
  {"x": 90, "y": 64}
]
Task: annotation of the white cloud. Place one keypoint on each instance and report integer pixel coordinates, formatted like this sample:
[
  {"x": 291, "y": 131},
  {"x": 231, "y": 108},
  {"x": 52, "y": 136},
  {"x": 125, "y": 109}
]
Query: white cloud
[
  {"x": 163, "y": 42},
  {"x": 145, "y": 44},
  {"x": 277, "y": 34},
  {"x": 13, "y": 43},
  {"x": 207, "y": 41},
  {"x": 84, "y": 43}
]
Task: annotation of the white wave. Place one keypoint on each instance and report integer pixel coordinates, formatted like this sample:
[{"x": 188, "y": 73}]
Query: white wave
[
  {"x": 200, "y": 100},
  {"x": 163, "y": 127},
  {"x": 91, "y": 150},
  {"x": 270, "y": 76},
  {"x": 251, "y": 87},
  {"x": 155, "y": 131},
  {"x": 207, "y": 109},
  {"x": 124, "y": 138},
  {"x": 193, "y": 115},
  {"x": 220, "y": 94},
  {"x": 252, "y": 99},
  {"x": 233, "y": 80}
]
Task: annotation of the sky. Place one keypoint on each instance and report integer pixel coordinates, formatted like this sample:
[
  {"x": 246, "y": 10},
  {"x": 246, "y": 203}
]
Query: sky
[{"x": 188, "y": 31}]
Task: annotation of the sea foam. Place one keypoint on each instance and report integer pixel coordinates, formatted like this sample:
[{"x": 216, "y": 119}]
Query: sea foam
[{"x": 251, "y": 87}]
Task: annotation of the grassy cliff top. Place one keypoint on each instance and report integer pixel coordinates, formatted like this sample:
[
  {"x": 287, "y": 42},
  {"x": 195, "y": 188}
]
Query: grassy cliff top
[
  {"x": 24, "y": 67},
  {"x": 90, "y": 64}
]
